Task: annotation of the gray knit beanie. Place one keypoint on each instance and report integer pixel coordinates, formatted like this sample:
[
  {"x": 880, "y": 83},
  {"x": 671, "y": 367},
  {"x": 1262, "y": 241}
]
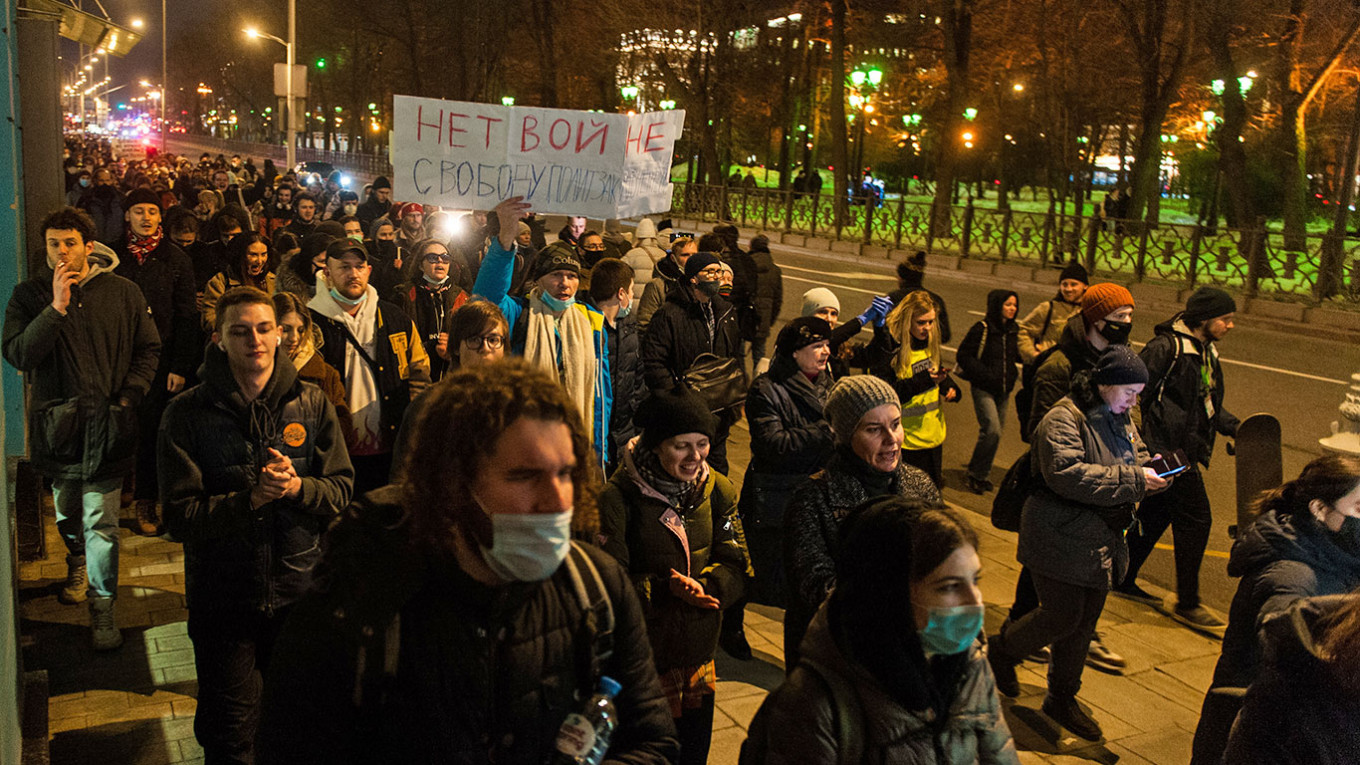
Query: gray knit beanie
[{"x": 853, "y": 397}]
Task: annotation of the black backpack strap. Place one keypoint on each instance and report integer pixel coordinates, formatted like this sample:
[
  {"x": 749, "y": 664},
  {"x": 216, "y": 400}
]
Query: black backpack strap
[
  {"x": 375, "y": 670},
  {"x": 846, "y": 710},
  {"x": 597, "y": 609}
]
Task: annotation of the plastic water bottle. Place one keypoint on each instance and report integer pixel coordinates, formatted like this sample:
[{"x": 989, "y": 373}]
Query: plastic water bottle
[{"x": 584, "y": 736}]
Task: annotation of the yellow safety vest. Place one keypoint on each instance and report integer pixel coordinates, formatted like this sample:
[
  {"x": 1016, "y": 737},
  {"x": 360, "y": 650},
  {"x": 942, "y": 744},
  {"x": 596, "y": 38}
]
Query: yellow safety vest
[{"x": 922, "y": 417}]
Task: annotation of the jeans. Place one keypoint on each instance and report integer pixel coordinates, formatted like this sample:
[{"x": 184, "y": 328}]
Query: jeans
[
  {"x": 1184, "y": 506},
  {"x": 1065, "y": 619},
  {"x": 231, "y": 654},
  {"x": 87, "y": 517},
  {"x": 991, "y": 418}
]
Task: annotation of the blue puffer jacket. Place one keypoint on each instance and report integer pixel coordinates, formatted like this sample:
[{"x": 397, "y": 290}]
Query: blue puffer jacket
[{"x": 493, "y": 284}]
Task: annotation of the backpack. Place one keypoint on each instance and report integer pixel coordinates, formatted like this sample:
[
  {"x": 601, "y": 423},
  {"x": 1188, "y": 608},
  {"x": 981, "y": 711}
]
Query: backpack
[
  {"x": 1015, "y": 488},
  {"x": 1024, "y": 398},
  {"x": 377, "y": 661},
  {"x": 959, "y": 369},
  {"x": 847, "y": 714}
]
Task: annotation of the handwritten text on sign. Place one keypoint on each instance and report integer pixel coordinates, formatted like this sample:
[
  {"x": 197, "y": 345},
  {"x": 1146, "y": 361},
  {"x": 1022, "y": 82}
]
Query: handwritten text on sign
[{"x": 467, "y": 155}]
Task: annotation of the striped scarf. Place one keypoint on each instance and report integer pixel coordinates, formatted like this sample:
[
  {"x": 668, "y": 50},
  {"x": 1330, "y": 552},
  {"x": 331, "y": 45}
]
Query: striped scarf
[{"x": 141, "y": 246}]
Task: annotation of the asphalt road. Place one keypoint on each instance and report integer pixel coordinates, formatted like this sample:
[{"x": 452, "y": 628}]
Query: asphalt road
[{"x": 1298, "y": 378}]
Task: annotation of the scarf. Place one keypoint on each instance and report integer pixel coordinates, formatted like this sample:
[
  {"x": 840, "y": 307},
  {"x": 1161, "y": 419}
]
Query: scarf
[
  {"x": 142, "y": 246},
  {"x": 565, "y": 348},
  {"x": 876, "y": 483},
  {"x": 361, "y": 380}
]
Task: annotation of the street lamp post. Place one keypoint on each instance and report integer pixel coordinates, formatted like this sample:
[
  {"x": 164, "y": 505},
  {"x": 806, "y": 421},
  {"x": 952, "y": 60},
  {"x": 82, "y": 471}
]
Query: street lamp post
[
  {"x": 289, "y": 132},
  {"x": 165, "y": 81}
]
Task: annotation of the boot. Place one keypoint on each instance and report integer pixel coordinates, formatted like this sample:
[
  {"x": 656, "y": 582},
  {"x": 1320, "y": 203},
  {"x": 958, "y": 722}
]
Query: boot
[
  {"x": 73, "y": 591},
  {"x": 148, "y": 520},
  {"x": 1003, "y": 670},
  {"x": 1066, "y": 712},
  {"x": 104, "y": 634},
  {"x": 732, "y": 634}
]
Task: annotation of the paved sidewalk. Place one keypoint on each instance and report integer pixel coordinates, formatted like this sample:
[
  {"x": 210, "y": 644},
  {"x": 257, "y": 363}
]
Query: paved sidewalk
[{"x": 135, "y": 706}]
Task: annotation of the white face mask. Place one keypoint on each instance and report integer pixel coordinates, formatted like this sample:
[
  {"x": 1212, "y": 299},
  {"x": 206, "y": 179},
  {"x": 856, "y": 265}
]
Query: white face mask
[{"x": 527, "y": 547}]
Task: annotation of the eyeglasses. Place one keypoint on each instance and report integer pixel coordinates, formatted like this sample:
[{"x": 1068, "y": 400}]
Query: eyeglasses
[
  {"x": 435, "y": 257},
  {"x": 712, "y": 273},
  {"x": 593, "y": 248},
  {"x": 492, "y": 342}
]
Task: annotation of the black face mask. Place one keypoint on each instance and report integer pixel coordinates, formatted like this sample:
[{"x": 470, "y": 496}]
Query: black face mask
[
  {"x": 1117, "y": 332},
  {"x": 387, "y": 249}
]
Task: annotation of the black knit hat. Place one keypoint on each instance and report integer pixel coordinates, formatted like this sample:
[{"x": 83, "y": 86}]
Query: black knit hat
[
  {"x": 381, "y": 182},
  {"x": 698, "y": 262},
  {"x": 1207, "y": 303},
  {"x": 555, "y": 257},
  {"x": 1119, "y": 365},
  {"x": 1075, "y": 270},
  {"x": 671, "y": 413},
  {"x": 800, "y": 333},
  {"x": 142, "y": 197}
]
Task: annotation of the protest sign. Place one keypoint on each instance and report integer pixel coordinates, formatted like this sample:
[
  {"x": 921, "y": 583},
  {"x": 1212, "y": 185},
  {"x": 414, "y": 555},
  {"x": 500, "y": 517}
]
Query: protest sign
[{"x": 467, "y": 155}]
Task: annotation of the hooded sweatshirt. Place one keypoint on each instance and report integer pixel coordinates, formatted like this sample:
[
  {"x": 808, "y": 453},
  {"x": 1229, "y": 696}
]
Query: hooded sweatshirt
[
  {"x": 1281, "y": 559},
  {"x": 990, "y": 365},
  {"x": 361, "y": 382}
]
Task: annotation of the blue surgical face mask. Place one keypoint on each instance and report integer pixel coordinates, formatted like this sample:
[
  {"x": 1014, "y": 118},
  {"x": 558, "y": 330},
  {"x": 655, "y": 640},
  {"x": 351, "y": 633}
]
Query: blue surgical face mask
[
  {"x": 951, "y": 630},
  {"x": 527, "y": 547},
  {"x": 342, "y": 300},
  {"x": 627, "y": 307},
  {"x": 558, "y": 305},
  {"x": 435, "y": 282}
]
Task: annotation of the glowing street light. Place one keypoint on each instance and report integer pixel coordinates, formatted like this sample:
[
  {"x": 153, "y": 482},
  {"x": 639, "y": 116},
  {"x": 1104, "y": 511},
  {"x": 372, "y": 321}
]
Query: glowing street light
[
  {"x": 970, "y": 114},
  {"x": 288, "y": 79},
  {"x": 507, "y": 100},
  {"x": 667, "y": 104},
  {"x": 138, "y": 23},
  {"x": 629, "y": 92},
  {"x": 1018, "y": 87}
]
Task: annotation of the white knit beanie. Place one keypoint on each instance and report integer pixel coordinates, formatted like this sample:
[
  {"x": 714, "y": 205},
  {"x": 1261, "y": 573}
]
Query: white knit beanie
[{"x": 818, "y": 298}]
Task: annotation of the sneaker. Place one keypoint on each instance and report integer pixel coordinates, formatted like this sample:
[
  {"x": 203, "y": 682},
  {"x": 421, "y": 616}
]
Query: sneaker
[
  {"x": 1131, "y": 591},
  {"x": 734, "y": 643},
  {"x": 1003, "y": 670},
  {"x": 104, "y": 634},
  {"x": 975, "y": 485},
  {"x": 1041, "y": 656},
  {"x": 1069, "y": 714},
  {"x": 1099, "y": 656},
  {"x": 1199, "y": 618},
  {"x": 74, "y": 590},
  {"x": 148, "y": 520}
]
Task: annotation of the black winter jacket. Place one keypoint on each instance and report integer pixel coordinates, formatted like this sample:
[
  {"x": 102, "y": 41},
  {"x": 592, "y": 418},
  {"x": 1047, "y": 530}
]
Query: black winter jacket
[
  {"x": 625, "y": 371},
  {"x": 768, "y": 294},
  {"x": 1174, "y": 413},
  {"x": 432, "y": 311},
  {"x": 1053, "y": 378},
  {"x": 1281, "y": 560},
  {"x": 210, "y": 449},
  {"x": 789, "y": 431},
  {"x": 993, "y": 367},
  {"x": 633, "y": 529},
  {"x": 82, "y": 368},
  {"x": 477, "y": 673},
  {"x": 167, "y": 281},
  {"x": 1299, "y": 711},
  {"x": 678, "y": 334}
]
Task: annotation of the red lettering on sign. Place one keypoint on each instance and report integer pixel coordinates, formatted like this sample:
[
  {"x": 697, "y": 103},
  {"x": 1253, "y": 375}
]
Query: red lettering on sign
[
  {"x": 647, "y": 145},
  {"x": 552, "y": 134},
  {"x": 453, "y": 130},
  {"x": 421, "y": 123},
  {"x": 583, "y": 141},
  {"x": 488, "y": 121},
  {"x": 634, "y": 141},
  {"x": 526, "y": 131}
]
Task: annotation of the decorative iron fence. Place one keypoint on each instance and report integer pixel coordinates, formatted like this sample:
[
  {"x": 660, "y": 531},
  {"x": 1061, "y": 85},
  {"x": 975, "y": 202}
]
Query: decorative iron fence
[
  {"x": 1255, "y": 261},
  {"x": 367, "y": 165}
]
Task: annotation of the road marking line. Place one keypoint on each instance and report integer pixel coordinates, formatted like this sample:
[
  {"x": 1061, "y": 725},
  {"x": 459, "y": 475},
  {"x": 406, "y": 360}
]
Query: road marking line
[
  {"x": 851, "y": 275},
  {"x": 824, "y": 283},
  {"x": 1212, "y": 553}
]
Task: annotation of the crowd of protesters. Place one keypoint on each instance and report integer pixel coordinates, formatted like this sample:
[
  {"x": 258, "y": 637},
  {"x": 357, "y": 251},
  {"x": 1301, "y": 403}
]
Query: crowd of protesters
[{"x": 435, "y": 476}]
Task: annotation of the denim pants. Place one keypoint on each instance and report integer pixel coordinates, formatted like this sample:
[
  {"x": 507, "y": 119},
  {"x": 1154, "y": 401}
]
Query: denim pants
[
  {"x": 87, "y": 517},
  {"x": 991, "y": 418},
  {"x": 231, "y": 654}
]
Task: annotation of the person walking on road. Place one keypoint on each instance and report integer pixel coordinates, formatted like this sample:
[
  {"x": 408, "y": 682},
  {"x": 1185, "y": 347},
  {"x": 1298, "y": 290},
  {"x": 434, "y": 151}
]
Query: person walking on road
[
  {"x": 1093, "y": 468},
  {"x": 896, "y": 644},
  {"x": 866, "y": 419},
  {"x": 88, "y": 348},
  {"x": 1305, "y": 542},
  {"x": 987, "y": 359},
  {"x": 1043, "y": 326},
  {"x": 1182, "y": 409},
  {"x": 922, "y": 382}
]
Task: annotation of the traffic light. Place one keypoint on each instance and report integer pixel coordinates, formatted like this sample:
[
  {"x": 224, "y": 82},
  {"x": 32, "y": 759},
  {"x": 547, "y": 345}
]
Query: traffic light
[{"x": 321, "y": 63}]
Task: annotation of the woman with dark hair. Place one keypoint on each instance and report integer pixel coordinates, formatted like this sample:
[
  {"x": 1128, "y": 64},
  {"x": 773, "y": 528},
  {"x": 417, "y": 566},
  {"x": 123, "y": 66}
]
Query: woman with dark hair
[
  {"x": 430, "y": 298},
  {"x": 987, "y": 359},
  {"x": 298, "y": 275},
  {"x": 1304, "y": 705},
  {"x": 1304, "y": 542},
  {"x": 300, "y": 342},
  {"x": 896, "y": 645},
  {"x": 251, "y": 262},
  {"x": 672, "y": 522},
  {"x": 453, "y": 619},
  {"x": 1094, "y": 470}
]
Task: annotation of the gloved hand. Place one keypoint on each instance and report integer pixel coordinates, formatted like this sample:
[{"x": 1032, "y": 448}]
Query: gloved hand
[
  {"x": 884, "y": 305},
  {"x": 876, "y": 311}
]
